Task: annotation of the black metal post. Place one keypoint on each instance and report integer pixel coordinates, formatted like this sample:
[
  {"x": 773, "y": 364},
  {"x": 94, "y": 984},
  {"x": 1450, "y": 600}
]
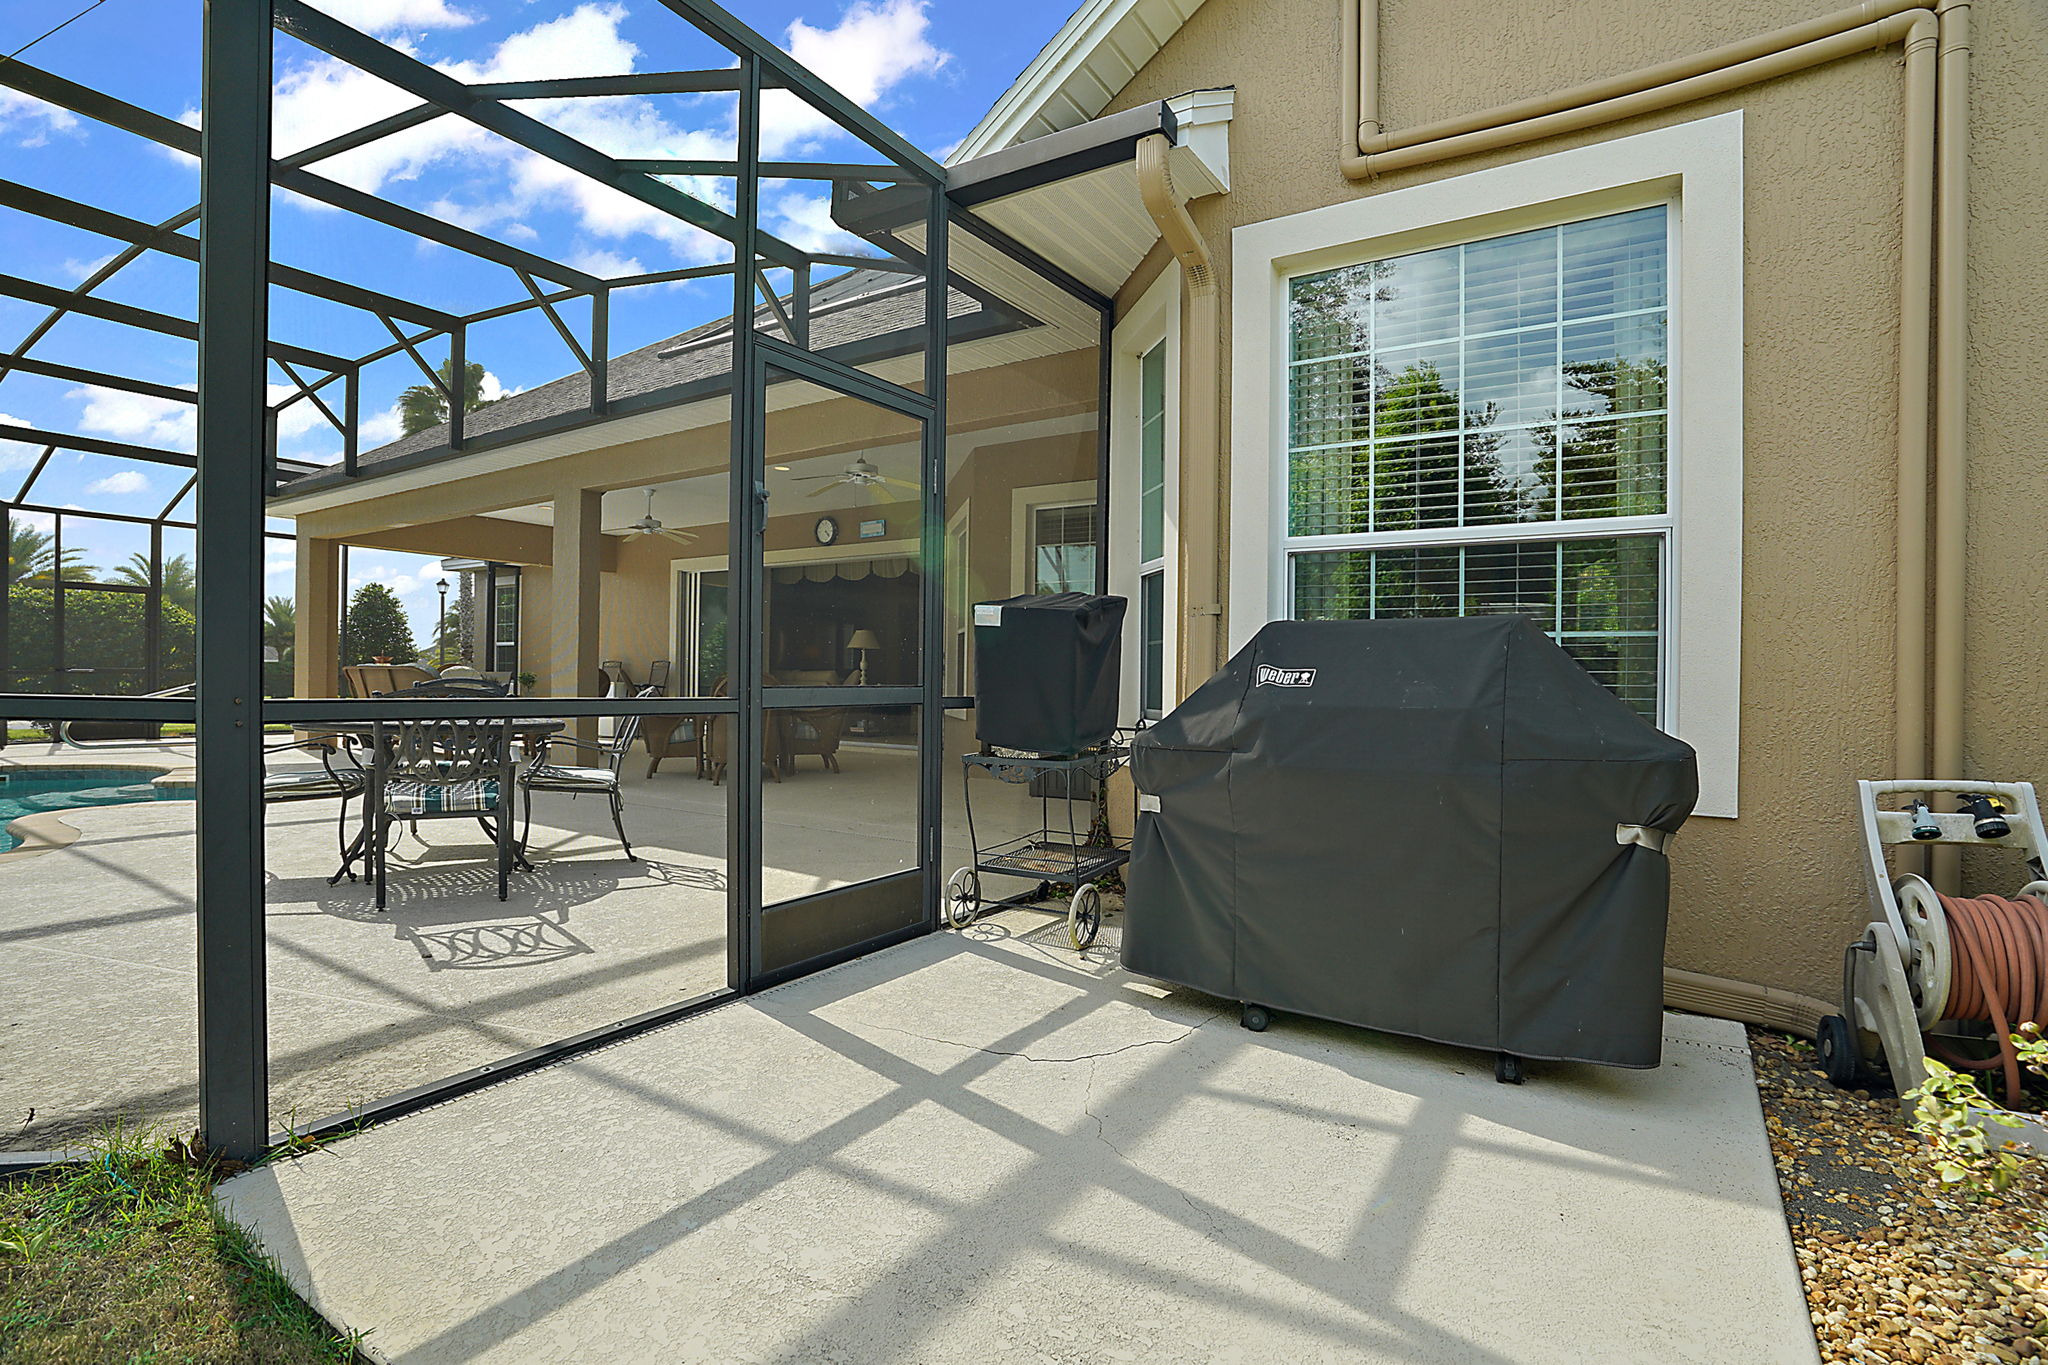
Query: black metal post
[
  {"x": 746, "y": 472},
  {"x": 1105, "y": 357},
  {"x": 932, "y": 715},
  {"x": 234, "y": 255},
  {"x": 458, "y": 384}
]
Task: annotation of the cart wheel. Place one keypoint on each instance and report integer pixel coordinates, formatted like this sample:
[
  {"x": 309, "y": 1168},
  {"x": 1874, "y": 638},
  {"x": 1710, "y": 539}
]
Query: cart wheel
[
  {"x": 1084, "y": 917},
  {"x": 1507, "y": 1068},
  {"x": 1255, "y": 1018},
  {"x": 1839, "y": 1055},
  {"x": 963, "y": 897}
]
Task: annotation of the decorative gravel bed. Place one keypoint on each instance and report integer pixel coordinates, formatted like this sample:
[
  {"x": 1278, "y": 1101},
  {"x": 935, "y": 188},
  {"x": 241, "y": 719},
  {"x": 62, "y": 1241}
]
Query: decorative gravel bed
[{"x": 1897, "y": 1269}]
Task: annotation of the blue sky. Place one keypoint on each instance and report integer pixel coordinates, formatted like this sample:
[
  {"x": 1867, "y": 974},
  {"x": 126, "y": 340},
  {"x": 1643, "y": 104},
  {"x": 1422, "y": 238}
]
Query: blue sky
[{"x": 928, "y": 68}]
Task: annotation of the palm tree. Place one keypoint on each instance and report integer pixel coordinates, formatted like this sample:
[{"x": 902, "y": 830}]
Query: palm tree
[
  {"x": 181, "y": 585},
  {"x": 280, "y": 624},
  {"x": 422, "y": 407},
  {"x": 31, "y": 555}
]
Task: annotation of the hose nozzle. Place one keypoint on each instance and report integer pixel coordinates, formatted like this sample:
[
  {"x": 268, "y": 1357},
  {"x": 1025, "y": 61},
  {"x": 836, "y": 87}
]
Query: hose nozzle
[
  {"x": 1924, "y": 824},
  {"x": 1989, "y": 812}
]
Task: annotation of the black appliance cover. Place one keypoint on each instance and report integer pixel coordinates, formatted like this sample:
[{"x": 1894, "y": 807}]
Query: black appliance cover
[
  {"x": 1416, "y": 826},
  {"x": 1046, "y": 671}
]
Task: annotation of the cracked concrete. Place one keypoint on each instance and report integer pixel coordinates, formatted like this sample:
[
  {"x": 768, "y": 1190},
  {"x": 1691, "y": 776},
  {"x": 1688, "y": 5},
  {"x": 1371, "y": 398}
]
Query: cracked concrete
[{"x": 967, "y": 1149}]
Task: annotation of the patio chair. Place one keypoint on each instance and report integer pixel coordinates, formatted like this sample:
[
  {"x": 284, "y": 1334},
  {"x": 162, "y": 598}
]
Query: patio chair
[
  {"x": 657, "y": 676},
  {"x": 673, "y": 737},
  {"x": 544, "y": 776},
  {"x": 814, "y": 732},
  {"x": 439, "y": 770},
  {"x": 617, "y": 681},
  {"x": 345, "y": 781},
  {"x": 718, "y": 737},
  {"x": 377, "y": 680}
]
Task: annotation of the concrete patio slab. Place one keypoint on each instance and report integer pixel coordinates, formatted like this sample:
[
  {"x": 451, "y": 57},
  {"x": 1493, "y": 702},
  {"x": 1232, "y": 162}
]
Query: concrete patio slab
[
  {"x": 98, "y": 937},
  {"x": 977, "y": 1147}
]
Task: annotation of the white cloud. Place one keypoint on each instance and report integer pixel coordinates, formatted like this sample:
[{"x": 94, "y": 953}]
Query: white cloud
[
  {"x": 381, "y": 429},
  {"x": 126, "y": 481},
  {"x": 607, "y": 264},
  {"x": 490, "y": 388},
  {"x": 875, "y": 45},
  {"x": 387, "y": 16},
  {"x": 14, "y": 454},
  {"x": 805, "y": 221},
  {"x": 873, "y": 48},
  {"x": 137, "y": 417},
  {"x": 28, "y": 121},
  {"x": 78, "y": 269}
]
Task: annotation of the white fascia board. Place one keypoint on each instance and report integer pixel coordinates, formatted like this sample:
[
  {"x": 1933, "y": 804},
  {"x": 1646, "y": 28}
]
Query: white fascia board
[{"x": 1067, "y": 67}]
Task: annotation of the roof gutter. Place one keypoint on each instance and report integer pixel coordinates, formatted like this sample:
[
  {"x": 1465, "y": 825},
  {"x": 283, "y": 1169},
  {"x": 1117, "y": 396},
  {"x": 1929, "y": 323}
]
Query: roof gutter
[
  {"x": 1201, "y": 393},
  {"x": 1932, "y": 283}
]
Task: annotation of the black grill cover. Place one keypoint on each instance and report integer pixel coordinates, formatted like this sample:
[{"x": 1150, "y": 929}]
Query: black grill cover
[
  {"x": 1411, "y": 825},
  {"x": 1046, "y": 671}
]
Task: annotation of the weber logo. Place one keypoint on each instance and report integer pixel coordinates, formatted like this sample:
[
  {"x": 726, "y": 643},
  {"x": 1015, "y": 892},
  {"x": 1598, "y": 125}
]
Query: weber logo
[{"x": 1269, "y": 676}]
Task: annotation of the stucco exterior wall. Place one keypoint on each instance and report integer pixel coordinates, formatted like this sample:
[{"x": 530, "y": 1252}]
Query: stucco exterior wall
[{"x": 1769, "y": 898}]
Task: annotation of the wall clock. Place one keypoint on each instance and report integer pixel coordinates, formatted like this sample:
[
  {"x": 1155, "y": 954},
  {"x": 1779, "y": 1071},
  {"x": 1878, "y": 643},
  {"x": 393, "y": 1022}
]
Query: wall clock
[{"x": 827, "y": 530}]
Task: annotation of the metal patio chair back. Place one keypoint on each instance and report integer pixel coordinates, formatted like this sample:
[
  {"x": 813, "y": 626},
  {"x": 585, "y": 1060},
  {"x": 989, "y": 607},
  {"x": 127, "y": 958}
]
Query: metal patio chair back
[
  {"x": 452, "y": 687},
  {"x": 441, "y": 769},
  {"x": 601, "y": 779}
]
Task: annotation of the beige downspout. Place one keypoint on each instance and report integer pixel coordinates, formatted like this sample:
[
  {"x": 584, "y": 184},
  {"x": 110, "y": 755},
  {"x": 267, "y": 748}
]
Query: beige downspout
[
  {"x": 1361, "y": 18},
  {"x": 1916, "y": 380},
  {"x": 1201, "y": 391},
  {"x": 1951, "y": 429},
  {"x": 1500, "y": 128}
]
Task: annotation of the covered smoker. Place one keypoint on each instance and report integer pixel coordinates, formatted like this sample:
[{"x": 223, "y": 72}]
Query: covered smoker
[
  {"x": 1046, "y": 671},
  {"x": 1443, "y": 828}
]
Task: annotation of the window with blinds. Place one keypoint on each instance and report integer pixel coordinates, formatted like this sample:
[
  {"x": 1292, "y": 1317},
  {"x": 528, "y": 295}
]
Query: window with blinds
[
  {"x": 1482, "y": 428},
  {"x": 1063, "y": 548}
]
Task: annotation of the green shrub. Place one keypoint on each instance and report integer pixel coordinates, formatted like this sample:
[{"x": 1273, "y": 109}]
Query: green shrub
[{"x": 102, "y": 630}]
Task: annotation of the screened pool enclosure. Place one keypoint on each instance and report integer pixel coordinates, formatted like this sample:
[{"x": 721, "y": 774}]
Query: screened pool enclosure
[{"x": 719, "y": 514}]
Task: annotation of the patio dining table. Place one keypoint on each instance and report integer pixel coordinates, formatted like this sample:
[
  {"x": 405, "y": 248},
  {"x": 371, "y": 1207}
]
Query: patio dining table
[{"x": 532, "y": 732}]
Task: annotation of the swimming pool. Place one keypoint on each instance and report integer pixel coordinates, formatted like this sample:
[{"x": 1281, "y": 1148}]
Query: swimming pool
[{"x": 27, "y": 791}]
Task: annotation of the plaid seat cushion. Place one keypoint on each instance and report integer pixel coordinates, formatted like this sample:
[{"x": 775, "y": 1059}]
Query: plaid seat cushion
[
  {"x": 407, "y": 797},
  {"x": 552, "y": 778}
]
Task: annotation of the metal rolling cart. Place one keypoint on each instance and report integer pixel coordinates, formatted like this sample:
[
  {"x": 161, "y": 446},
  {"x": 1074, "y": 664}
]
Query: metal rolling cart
[{"x": 1048, "y": 854}]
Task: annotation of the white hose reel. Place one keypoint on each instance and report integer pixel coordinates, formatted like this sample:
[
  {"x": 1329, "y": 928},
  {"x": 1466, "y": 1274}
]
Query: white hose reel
[{"x": 1895, "y": 979}]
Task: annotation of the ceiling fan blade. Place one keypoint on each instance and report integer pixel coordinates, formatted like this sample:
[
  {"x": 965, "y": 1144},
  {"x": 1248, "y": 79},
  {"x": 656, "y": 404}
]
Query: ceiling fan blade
[
  {"x": 679, "y": 537},
  {"x": 900, "y": 483},
  {"x": 815, "y": 492}
]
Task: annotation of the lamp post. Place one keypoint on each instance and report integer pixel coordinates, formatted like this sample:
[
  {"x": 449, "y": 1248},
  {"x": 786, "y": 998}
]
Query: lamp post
[{"x": 441, "y": 627}]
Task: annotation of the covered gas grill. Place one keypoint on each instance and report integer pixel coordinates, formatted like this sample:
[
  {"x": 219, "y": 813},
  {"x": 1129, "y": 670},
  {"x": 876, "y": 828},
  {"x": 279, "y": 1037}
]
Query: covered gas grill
[{"x": 1442, "y": 828}]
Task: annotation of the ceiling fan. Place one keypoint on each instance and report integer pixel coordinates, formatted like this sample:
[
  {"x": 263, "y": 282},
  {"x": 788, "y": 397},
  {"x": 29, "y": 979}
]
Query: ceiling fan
[
  {"x": 650, "y": 525},
  {"x": 859, "y": 474}
]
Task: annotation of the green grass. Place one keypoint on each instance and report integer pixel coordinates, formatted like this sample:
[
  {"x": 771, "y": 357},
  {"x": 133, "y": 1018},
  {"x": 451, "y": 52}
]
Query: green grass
[
  {"x": 125, "y": 1260},
  {"x": 172, "y": 730}
]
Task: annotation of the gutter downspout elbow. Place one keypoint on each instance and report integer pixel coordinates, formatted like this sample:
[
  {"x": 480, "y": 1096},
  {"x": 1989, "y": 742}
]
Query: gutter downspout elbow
[{"x": 1200, "y": 548}]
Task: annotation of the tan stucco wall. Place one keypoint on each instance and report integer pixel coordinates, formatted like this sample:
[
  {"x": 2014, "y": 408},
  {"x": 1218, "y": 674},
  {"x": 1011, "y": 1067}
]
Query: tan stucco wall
[{"x": 1771, "y": 897}]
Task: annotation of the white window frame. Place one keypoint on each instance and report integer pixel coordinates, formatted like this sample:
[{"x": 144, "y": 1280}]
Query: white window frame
[
  {"x": 1154, "y": 320},
  {"x": 1696, "y": 169}
]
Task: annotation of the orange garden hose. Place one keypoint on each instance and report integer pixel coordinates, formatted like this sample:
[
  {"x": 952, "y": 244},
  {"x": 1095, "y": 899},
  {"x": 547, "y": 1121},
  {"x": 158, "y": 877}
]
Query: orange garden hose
[{"x": 1998, "y": 950}]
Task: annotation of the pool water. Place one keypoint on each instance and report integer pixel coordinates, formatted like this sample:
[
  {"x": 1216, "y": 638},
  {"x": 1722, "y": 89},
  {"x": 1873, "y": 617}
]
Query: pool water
[{"x": 28, "y": 791}]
